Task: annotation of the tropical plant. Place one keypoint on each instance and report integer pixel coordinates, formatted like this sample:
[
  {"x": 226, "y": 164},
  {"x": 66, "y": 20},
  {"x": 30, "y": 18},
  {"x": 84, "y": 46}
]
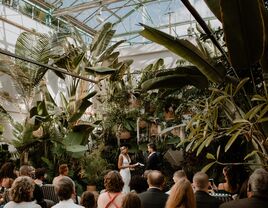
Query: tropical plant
[
  {"x": 236, "y": 107},
  {"x": 51, "y": 127}
]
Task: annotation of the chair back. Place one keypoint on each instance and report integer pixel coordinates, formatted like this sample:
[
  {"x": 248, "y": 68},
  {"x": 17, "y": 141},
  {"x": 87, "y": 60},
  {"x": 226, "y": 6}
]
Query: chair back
[
  {"x": 223, "y": 196},
  {"x": 50, "y": 193}
]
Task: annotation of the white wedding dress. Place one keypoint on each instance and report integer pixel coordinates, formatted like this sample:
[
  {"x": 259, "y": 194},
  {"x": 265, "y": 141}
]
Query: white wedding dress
[{"x": 125, "y": 174}]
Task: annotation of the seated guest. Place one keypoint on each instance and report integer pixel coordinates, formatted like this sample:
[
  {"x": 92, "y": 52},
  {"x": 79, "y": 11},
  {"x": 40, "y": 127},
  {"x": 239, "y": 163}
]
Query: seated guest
[
  {"x": 181, "y": 195},
  {"x": 131, "y": 200},
  {"x": 88, "y": 200},
  {"x": 154, "y": 197},
  {"x": 138, "y": 184},
  {"x": 63, "y": 171},
  {"x": 40, "y": 176},
  {"x": 21, "y": 193},
  {"x": 230, "y": 185},
  {"x": 179, "y": 174},
  {"x": 113, "y": 196},
  {"x": 257, "y": 192},
  {"x": 65, "y": 190},
  {"x": 28, "y": 170},
  {"x": 202, "y": 197}
]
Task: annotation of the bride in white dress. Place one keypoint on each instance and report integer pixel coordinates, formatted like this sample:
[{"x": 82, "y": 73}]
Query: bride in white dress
[{"x": 124, "y": 167}]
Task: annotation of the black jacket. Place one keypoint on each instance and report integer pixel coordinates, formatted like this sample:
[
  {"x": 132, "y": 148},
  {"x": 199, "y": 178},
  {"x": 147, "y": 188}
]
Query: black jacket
[
  {"x": 253, "y": 202},
  {"x": 204, "y": 200},
  {"x": 153, "y": 198},
  {"x": 152, "y": 162}
]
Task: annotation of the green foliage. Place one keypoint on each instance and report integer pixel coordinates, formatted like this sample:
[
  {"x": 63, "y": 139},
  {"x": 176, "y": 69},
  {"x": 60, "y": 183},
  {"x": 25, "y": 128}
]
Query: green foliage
[{"x": 232, "y": 113}]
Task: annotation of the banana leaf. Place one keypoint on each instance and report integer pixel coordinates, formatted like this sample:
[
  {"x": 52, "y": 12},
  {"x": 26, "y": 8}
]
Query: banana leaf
[
  {"x": 100, "y": 70},
  {"x": 186, "y": 50},
  {"x": 81, "y": 107},
  {"x": 102, "y": 39},
  {"x": 177, "y": 79},
  {"x": 244, "y": 31}
]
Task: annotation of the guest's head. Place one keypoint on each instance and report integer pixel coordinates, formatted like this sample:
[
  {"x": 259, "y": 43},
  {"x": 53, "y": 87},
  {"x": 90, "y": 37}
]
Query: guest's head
[
  {"x": 65, "y": 188},
  {"x": 40, "y": 173},
  {"x": 7, "y": 170},
  {"x": 156, "y": 179},
  {"x": 22, "y": 189},
  {"x": 178, "y": 175},
  {"x": 27, "y": 170},
  {"x": 131, "y": 200},
  {"x": 201, "y": 181},
  {"x": 138, "y": 184},
  {"x": 113, "y": 182},
  {"x": 258, "y": 183},
  {"x": 230, "y": 177},
  {"x": 181, "y": 195},
  {"x": 63, "y": 169},
  {"x": 151, "y": 147},
  {"x": 7, "y": 182},
  {"x": 146, "y": 173},
  {"x": 88, "y": 200}
]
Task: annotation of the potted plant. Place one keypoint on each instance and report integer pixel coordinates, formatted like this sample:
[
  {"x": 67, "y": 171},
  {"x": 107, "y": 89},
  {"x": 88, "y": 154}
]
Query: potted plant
[{"x": 94, "y": 167}]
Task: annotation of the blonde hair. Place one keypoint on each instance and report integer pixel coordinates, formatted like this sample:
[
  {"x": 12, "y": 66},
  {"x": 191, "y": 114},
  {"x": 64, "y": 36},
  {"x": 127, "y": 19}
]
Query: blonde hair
[
  {"x": 181, "y": 195},
  {"x": 22, "y": 189}
]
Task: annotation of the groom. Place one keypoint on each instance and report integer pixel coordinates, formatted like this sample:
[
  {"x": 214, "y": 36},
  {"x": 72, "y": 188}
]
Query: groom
[{"x": 152, "y": 159}]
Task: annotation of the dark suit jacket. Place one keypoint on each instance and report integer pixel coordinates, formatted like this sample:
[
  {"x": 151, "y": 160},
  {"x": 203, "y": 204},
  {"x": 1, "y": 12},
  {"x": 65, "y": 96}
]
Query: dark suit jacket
[
  {"x": 253, "y": 202},
  {"x": 204, "y": 200},
  {"x": 153, "y": 198},
  {"x": 152, "y": 162}
]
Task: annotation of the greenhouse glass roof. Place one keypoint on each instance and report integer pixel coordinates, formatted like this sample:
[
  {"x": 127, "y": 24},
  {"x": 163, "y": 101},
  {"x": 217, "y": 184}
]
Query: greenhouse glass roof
[{"x": 89, "y": 15}]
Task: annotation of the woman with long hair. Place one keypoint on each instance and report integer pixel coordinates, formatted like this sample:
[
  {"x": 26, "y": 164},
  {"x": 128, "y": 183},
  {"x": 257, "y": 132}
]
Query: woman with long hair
[
  {"x": 124, "y": 167},
  {"x": 181, "y": 195},
  {"x": 230, "y": 185}
]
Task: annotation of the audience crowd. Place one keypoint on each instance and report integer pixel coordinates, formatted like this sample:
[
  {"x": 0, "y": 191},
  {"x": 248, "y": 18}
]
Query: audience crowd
[{"x": 24, "y": 189}]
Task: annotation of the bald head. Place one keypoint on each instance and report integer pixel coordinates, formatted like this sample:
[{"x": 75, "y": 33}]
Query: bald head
[
  {"x": 156, "y": 179},
  {"x": 200, "y": 181}
]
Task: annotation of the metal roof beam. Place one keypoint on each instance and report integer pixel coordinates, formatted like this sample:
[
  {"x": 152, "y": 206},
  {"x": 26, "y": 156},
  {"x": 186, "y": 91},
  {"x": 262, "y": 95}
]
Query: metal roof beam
[{"x": 83, "y": 6}]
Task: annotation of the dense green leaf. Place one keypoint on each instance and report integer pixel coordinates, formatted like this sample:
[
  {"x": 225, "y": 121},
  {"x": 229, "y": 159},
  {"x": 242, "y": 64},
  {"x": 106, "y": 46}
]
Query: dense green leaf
[
  {"x": 205, "y": 169},
  {"x": 100, "y": 70},
  {"x": 252, "y": 113},
  {"x": 232, "y": 140},
  {"x": 200, "y": 148},
  {"x": 210, "y": 156},
  {"x": 109, "y": 50},
  {"x": 175, "y": 81},
  {"x": 218, "y": 152},
  {"x": 185, "y": 49},
  {"x": 240, "y": 85},
  {"x": 244, "y": 31},
  {"x": 251, "y": 154}
]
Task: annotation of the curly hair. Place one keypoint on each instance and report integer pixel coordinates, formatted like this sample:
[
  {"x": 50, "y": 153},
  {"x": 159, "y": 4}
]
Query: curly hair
[
  {"x": 113, "y": 182},
  {"x": 22, "y": 189}
]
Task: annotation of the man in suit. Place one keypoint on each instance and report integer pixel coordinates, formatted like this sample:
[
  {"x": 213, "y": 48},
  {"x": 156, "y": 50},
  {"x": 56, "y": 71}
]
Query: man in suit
[
  {"x": 257, "y": 192},
  {"x": 202, "y": 197},
  {"x": 154, "y": 197},
  {"x": 152, "y": 160}
]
